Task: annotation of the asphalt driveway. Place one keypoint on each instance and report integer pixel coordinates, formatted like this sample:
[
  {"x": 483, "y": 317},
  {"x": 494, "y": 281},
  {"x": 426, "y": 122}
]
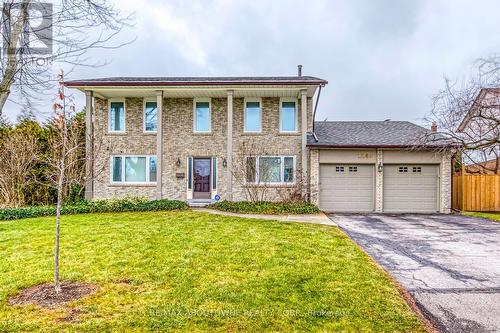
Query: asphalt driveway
[{"x": 449, "y": 263}]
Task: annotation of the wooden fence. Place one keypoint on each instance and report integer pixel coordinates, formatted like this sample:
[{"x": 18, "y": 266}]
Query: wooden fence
[{"x": 478, "y": 193}]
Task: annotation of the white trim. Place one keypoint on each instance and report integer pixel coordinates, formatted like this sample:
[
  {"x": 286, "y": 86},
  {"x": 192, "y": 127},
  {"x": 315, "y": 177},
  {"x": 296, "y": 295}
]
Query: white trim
[
  {"x": 288, "y": 99},
  {"x": 282, "y": 170},
  {"x": 123, "y": 182},
  {"x": 114, "y": 100},
  {"x": 144, "y": 101},
  {"x": 196, "y": 100},
  {"x": 249, "y": 99}
]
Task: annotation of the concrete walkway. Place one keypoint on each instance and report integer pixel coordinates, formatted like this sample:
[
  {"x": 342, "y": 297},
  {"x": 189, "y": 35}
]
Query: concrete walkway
[{"x": 306, "y": 218}]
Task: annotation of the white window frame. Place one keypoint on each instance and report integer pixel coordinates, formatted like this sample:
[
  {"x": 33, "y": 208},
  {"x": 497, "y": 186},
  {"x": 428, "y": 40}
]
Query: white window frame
[
  {"x": 209, "y": 100},
  {"x": 149, "y": 100},
  {"x": 282, "y": 170},
  {"x": 288, "y": 99},
  {"x": 123, "y": 182},
  {"x": 114, "y": 100},
  {"x": 248, "y": 99}
]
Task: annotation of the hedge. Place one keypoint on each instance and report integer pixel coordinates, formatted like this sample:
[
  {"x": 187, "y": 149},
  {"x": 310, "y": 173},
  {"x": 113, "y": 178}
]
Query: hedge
[
  {"x": 96, "y": 206},
  {"x": 265, "y": 207}
]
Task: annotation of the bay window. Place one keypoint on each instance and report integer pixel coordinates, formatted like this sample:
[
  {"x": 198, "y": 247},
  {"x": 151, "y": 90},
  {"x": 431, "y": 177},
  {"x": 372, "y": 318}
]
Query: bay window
[
  {"x": 133, "y": 169},
  {"x": 270, "y": 169}
]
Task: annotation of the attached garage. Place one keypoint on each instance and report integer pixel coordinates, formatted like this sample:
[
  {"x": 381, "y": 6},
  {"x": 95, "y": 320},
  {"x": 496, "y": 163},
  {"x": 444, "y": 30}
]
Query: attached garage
[
  {"x": 411, "y": 188},
  {"x": 346, "y": 187},
  {"x": 378, "y": 167}
]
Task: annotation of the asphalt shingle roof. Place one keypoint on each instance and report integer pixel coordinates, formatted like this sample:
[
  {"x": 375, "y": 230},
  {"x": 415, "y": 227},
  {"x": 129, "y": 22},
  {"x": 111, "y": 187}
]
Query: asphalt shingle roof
[
  {"x": 367, "y": 133},
  {"x": 198, "y": 80}
]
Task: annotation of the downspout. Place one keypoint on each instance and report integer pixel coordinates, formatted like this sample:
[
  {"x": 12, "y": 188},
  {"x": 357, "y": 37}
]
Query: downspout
[{"x": 314, "y": 113}]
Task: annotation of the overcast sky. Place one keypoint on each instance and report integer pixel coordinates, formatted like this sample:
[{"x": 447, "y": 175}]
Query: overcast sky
[{"x": 382, "y": 58}]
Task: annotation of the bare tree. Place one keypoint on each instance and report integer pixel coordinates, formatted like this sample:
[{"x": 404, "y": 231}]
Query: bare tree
[
  {"x": 67, "y": 158},
  {"x": 69, "y": 30},
  {"x": 19, "y": 151},
  {"x": 467, "y": 113},
  {"x": 258, "y": 178}
]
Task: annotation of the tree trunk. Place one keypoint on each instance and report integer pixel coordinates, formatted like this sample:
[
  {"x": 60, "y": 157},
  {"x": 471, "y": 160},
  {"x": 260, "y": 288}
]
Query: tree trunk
[
  {"x": 60, "y": 183},
  {"x": 16, "y": 30}
]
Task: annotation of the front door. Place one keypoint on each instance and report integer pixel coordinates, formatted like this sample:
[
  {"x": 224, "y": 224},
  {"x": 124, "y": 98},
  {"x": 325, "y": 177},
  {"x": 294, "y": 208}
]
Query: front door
[{"x": 202, "y": 170}]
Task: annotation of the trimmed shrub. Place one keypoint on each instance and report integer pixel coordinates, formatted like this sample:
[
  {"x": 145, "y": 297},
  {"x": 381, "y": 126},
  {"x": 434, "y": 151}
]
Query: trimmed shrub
[
  {"x": 96, "y": 206},
  {"x": 265, "y": 207}
]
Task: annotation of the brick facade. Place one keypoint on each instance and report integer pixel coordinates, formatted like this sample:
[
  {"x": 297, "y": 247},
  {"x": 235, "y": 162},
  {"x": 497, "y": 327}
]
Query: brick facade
[{"x": 180, "y": 142}]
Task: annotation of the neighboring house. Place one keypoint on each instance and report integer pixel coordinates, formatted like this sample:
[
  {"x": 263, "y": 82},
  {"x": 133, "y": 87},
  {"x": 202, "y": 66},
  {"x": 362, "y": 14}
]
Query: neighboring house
[
  {"x": 480, "y": 129},
  {"x": 188, "y": 138},
  {"x": 490, "y": 167}
]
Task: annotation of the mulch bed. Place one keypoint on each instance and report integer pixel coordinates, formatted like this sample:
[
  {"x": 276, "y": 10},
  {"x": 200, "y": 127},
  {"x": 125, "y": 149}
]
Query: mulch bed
[{"x": 45, "y": 295}]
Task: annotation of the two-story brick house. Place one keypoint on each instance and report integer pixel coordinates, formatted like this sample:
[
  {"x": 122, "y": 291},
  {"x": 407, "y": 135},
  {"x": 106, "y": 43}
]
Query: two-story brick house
[
  {"x": 187, "y": 138},
  {"x": 177, "y": 138}
]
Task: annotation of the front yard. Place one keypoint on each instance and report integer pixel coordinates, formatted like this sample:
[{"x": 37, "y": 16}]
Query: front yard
[
  {"x": 187, "y": 271},
  {"x": 491, "y": 216}
]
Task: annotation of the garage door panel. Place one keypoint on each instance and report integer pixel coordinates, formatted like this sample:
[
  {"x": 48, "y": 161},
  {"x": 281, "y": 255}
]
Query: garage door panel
[
  {"x": 346, "y": 191},
  {"x": 411, "y": 191}
]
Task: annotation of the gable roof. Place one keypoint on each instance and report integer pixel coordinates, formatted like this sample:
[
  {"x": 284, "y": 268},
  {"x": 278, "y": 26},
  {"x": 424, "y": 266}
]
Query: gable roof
[
  {"x": 197, "y": 81},
  {"x": 475, "y": 105},
  {"x": 368, "y": 134}
]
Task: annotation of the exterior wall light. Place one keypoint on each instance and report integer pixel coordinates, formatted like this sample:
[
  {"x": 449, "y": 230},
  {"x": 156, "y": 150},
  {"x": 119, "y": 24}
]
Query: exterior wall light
[
  {"x": 380, "y": 167},
  {"x": 224, "y": 163},
  {"x": 178, "y": 162}
]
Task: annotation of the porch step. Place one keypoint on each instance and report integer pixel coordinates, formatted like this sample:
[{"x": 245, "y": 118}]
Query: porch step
[{"x": 199, "y": 202}]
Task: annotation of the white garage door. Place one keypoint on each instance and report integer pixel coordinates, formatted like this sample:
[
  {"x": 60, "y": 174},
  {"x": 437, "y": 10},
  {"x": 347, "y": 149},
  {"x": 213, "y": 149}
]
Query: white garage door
[
  {"x": 411, "y": 188},
  {"x": 346, "y": 188}
]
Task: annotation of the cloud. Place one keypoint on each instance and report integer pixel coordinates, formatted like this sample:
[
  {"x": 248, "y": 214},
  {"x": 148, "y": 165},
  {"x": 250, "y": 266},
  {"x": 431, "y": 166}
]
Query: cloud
[{"x": 382, "y": 58}]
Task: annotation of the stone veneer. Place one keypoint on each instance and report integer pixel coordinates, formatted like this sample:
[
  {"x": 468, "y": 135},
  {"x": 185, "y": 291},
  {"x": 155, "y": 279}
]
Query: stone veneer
[{"x": 179, "y": 142}]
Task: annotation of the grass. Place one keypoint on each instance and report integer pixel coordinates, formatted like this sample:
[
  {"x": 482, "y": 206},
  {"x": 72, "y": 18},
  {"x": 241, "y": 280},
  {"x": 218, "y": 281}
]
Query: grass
[
  {"x": 194, "y": 272},
  {"x": 491, "y": 216},
  {"x": 266, "y": 207}
]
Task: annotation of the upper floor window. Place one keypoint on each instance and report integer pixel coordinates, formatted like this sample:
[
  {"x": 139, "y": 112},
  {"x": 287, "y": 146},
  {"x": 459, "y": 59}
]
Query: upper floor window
[
  {"x": 116, "y": 116},
  {"x": 288, "y": 116},
  {"x": 202, "y": 117},
  {"x": 253, "y": 116},
  {"x": 150, "y": 116},
  {"x": 133, "y": 169}
]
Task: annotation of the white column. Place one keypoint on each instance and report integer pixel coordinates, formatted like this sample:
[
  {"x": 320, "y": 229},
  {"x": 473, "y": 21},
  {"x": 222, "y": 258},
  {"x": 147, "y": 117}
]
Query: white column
[
  {"x": 89, "y": 148},
  {"x": 379, "y": 182},
  {"x": 229, "y": 157},
  {"x": 303, "y": 129},
  {"x": 159, "y": 144}
]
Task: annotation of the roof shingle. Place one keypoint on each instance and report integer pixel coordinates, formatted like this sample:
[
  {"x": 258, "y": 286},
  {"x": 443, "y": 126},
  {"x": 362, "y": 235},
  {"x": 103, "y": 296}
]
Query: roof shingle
[
  {"x": 367, "y": 134},
  {"x": 221, "y": 80}
]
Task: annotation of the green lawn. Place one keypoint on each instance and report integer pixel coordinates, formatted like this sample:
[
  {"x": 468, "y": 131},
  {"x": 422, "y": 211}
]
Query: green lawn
[
  {"x": 195, "y": 272},
  {"x": 491, "y": 216}
]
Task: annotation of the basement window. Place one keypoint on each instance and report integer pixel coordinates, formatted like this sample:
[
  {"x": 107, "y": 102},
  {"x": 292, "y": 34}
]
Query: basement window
[{"x": 403, "y": 169}]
